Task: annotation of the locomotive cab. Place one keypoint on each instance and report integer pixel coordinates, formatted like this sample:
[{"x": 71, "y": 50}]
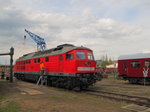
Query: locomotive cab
[
  {"x": 79, "y": 61},
  {"x": 85, "y": 61}
]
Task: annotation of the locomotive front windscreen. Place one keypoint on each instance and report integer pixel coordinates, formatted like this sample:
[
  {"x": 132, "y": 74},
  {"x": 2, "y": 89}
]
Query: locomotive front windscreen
[
  {"x": 90, "y": 56},
  {"x": 80, "y": 55}
]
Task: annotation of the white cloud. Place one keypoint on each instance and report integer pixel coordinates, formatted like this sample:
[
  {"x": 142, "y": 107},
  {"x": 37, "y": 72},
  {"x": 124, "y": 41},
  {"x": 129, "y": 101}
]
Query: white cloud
[{"x": 104, "y": 35}]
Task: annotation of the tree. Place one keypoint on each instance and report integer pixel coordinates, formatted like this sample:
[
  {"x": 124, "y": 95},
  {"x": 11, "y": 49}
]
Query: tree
[
  {"x": 105, "y": 61},
  {"x": 104, "y": 64}
]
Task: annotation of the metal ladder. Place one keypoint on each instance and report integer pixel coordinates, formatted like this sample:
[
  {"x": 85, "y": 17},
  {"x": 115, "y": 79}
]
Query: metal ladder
[{"x": 42, "y": 79}]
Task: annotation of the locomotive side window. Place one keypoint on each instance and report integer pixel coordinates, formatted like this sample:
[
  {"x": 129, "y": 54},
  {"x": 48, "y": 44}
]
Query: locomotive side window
[
  {"x": 39, "y": 60},
  {"x": 135, "y": 64},
  {"x": 90, "y": 56},
  {"x": 35, "y": 61},
  {"x": 80, "y": 55},
  {"x": 147, "y": 63},
  {"x": 46, "y": 59},
  {"x": 27, "y": 62},
  {"x": 60, "y": 58},
  {"x": 69, "y": 56}
]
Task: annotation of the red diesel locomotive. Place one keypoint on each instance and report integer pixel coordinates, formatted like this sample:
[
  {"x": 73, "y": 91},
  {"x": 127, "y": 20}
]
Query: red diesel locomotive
[
  {"x": 135, "y": 67},
  {"x": 66, "y": 66}
]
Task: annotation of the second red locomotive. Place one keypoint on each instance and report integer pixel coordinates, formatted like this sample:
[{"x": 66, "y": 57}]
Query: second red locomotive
[{"x": 66, "y": 66}]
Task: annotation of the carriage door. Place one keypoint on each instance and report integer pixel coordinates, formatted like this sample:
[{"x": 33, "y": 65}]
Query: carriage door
[
  {"x": 147, "y": 67},
  {"x": 125, "y": 69},
  {"x": 61, "y": 63},
  {"x": 136, "y": 69}
]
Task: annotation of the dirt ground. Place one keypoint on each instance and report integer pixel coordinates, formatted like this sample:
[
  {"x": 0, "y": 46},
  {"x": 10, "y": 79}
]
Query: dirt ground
[
  {"x": 28, "y": 97},
  {"x": 114, "y": 85}
]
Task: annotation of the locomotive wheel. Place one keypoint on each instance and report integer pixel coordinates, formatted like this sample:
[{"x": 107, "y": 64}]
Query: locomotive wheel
[
  {"x": 36, "y": 78},
  {"x": 58, "y": 83},
  {"x": 49, "y": 81},
  {"x": 69, "y": 85},
  {"x": 81, "y": 88},
  {"x": 18, "y": 77},
  {"x": 22, "y": 77}
]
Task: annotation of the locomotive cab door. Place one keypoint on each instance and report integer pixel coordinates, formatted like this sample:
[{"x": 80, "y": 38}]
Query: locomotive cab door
[{"x": 61, "y": 64}]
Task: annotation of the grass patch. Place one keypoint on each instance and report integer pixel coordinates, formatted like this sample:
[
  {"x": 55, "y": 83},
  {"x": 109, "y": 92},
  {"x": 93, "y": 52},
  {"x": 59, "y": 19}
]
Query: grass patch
[
  {"x": 6, "y": 105},
  {"x": 3, "y": 97},
  {"x": 10, "y": 107}
]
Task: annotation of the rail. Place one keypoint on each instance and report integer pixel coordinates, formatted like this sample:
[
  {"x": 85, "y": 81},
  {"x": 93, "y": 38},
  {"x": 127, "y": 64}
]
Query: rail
[{"x": 139, "y": 100}]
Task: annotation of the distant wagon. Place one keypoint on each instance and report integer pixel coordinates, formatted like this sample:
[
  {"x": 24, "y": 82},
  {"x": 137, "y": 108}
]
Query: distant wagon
[{"x": 134, "y": 68}]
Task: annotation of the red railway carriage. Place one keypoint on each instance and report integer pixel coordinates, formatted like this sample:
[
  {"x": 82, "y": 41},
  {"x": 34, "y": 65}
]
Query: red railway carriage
[
  {"x": 134, "y": 68},
  {"x": 66, "y": 66}
]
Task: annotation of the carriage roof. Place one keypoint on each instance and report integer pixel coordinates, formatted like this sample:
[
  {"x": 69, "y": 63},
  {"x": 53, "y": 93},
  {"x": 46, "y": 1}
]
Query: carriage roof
[{"x": 134, "y": 56}]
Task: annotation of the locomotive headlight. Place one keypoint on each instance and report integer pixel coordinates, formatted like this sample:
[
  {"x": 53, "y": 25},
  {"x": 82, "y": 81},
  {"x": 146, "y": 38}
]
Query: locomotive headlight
[{"x": 85, "y": 68}]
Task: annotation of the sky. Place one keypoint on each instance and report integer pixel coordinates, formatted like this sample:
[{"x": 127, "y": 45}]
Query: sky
[{"x": 108, "y": 27}]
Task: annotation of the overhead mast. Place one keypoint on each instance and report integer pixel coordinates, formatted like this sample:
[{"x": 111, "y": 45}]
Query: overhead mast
[{"x": 41, "y": 45}]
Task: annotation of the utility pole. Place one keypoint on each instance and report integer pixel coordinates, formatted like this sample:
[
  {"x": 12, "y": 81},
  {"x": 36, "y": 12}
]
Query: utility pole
[{"x": 11, "y": 63}]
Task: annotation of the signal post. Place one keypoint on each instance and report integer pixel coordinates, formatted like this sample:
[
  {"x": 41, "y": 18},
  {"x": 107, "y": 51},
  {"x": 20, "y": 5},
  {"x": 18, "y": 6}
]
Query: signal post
[{"x": 11, "y": 53}]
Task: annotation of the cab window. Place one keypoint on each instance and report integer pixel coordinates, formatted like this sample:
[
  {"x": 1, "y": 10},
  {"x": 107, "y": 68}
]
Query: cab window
[
  {"x": 90, "y": 56},
  {"x": 80, "y": 55},
  {"x": 69, "y": 56}
]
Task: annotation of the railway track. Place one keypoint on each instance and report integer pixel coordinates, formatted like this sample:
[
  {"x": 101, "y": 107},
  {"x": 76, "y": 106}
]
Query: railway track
[{"x": 139, "y": 100}]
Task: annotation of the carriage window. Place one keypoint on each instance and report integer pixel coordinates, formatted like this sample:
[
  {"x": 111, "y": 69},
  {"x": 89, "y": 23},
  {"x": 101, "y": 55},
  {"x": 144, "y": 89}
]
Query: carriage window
[
  {"x": 69, "y": 56},
  {"x": 80, "y": 55},
  {"x": 147, "y": 63},
  {"x": 90, "y": 56},
  {"x": 135, "y": 64},
  {"x": 47, "y": 59}
]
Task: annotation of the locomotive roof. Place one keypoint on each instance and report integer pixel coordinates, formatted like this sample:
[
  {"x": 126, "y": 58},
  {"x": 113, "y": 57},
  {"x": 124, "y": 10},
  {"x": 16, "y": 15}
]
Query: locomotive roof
[
  {"x": 134, "y": 56},
  {"x": 61, "y": 49}
]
